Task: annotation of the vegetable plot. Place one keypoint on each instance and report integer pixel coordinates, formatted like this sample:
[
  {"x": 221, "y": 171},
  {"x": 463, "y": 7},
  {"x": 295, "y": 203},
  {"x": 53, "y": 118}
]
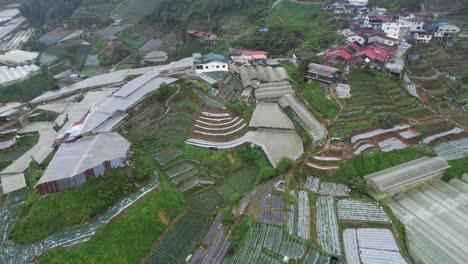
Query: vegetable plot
[
  {"x": 327, "y": 226},
  {"x": 351, "y": 209}
]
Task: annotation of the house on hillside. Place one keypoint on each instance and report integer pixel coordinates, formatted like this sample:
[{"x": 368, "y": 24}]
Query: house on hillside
[
  {"x": 75, "y": 162},
  {"x": 444, "y": 31},
  {"x": 384, "y": 40},
  {"x": 210, "y": 62},
  {"x": 259, "y": 56},
  {"x": 396, "y": 29},
  {"x": 424, "y": 37},
  {"x": 201, "y": 35},
  {"x": 388, "y": 183},
  {"x": 377, "y": 53},
  {"x": 322, "y": 73}
]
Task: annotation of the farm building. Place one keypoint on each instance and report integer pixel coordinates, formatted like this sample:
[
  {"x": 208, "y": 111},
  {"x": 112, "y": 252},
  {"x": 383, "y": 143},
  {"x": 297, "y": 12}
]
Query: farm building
[
  {"x": 435, "y": 220},
  {"x": 311, "y": 124},
  {"x": 18, "y": 57},
  {"x": 322, "y": 73},
  {"x": 86, "y": 157},
  {"x": 270, "y": 115},
  {"x": 210, "y": 63},
  {"x": 389, "y": 182}
]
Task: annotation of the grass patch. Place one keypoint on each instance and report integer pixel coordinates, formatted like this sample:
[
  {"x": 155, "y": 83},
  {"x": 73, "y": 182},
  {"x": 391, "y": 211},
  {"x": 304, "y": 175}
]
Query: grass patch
[
  {"x": 315, "y": 96},
  {"x": 26, "y": 90},
  {"x": 129, "y": 238},
  {"x": 22, "y": 145},
  {"x": 456, "y": 171},
  {"x": 42, "y": 216},
  {"x": 91, "y": 71}
]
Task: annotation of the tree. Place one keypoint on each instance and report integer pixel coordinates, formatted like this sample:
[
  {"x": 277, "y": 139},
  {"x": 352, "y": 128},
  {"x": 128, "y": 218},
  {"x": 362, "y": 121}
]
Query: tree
[
  {"x": 285, "y": 165},
  {"x": 303, "y": 68},
  {"x": 163, "y": 93}
]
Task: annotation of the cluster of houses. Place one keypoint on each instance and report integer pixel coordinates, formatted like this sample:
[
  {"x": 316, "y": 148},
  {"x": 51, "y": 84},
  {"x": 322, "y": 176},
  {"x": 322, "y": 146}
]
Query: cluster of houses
[{"x": 381, "y": 39}]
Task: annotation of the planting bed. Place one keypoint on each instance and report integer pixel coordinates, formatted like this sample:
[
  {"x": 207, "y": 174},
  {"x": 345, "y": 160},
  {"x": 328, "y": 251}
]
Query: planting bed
[
  {"x": 356, "y": 210},
  {"x": 327, "y": 225},
  {"x": 179, "y": 240}
]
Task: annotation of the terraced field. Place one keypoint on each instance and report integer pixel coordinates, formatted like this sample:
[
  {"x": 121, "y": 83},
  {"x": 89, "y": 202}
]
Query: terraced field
[
  {"x": 373, "y": 96},
  {"x": 179, "y": 240}
]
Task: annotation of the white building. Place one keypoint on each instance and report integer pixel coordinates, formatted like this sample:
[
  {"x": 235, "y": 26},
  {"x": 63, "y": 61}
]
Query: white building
[
  {"x": 210, "y": 63},
  {"x": 356, "y": 38},
  {"x": 396, "y": 29},
  {"x": 422, "y": 37},
  {"x": 415, "y": 24},
  {"x": 384, "y": 40},
  {"x": 358, "y": 2}
]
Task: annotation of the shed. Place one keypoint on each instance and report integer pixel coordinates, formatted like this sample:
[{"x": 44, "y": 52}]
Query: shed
[{"x": 87, "y": 157}]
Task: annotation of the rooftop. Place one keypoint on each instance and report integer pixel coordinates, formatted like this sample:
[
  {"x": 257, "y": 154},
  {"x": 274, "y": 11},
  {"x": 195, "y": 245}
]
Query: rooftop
[
  {"x": 408, "y": 173},
  {"x": 85, "y": 153}
]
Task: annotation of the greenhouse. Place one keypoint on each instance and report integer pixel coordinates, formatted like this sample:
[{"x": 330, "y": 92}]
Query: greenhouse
[
  {"x": 270, "y": 115},
  {"x": 273, "y": 91},
  {"x": 312, "y": 124},
  {"x": 278, "y": 144},
  {"x": 389, "y": 182},
  {"x": 435, "y": 220}
]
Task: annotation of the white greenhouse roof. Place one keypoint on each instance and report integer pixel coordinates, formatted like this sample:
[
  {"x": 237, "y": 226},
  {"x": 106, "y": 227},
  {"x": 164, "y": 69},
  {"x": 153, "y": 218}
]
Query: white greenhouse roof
[
  {"x": 18, "y": 57},
  {"x": 136, "y": 83},
  {"x": 85, "y": 153},
  {"x": 316, "y": 129},
  {"x": 11, "y": 74},
  {"x": 96, "y": 81},
  {"x": 278, "y": 144},
  {"x": 407, "y": 173},
  {"x": 270, "y": 115},
  {"x": 111, "y": 105}
]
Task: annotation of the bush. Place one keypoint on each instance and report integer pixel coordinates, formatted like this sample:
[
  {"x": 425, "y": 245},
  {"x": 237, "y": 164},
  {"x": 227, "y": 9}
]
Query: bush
[
  {"x": 265, "y": 174},
  {"x": 163, "y": 93},
  {"x": 42, "y": 216},
  {"x": 239, "y": 232},
  {"x": 126, "y": 239},
  {"x": 285, "y": 165},
  {"x": 144, "y": 164},
  {"x": 239, "y": 109}
]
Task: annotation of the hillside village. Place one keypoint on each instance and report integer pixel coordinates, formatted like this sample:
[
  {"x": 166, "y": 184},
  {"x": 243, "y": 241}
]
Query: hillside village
[{"x": 275, "y": 132}]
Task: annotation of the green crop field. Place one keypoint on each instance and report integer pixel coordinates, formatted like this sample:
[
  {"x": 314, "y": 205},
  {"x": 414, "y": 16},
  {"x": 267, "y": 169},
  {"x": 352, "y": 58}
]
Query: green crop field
[{"x": 377, "y": 100}]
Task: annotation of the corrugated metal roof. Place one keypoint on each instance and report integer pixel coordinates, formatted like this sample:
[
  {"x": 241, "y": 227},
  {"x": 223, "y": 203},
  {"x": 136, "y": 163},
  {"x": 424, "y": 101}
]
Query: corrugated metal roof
[
  {"x": 270, "y": 115},
  {"x": 407, "y": 173},
  {"x": 13, "y": 182},
  {"x": 85, "y": 153},
  {"x": 136, "y": 83}
]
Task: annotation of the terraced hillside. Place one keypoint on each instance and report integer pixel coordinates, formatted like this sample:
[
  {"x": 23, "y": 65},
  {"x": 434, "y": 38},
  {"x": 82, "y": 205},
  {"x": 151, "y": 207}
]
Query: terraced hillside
[{"x": 376, "y": 100}]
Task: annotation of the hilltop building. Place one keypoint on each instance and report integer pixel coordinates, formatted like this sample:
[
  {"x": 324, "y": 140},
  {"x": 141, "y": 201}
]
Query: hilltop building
[{"x": 210, "y": 63}]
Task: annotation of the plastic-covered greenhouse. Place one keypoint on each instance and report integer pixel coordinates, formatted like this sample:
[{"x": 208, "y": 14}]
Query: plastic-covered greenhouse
[
  {"x": 435, "y": 220},
  {"x": 391, "y": 181}
]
